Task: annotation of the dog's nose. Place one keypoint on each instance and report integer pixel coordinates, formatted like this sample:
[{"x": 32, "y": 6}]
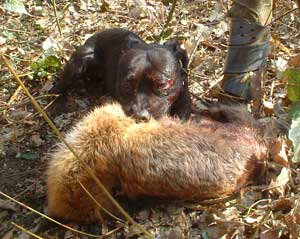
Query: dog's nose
[{"x": 143, "y": 115}]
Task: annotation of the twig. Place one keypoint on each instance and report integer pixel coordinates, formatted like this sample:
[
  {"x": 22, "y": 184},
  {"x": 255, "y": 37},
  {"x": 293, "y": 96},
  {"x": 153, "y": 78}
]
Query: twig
[
  {"x": 272, "y": 91},
  {"x": 14, "y": 96},
  {"x": 98, "y": 204},
  {"x": 281, "y": 16},
  {"x": 194, "y": 51},
  {"x": 259, "y": 224},
  {"x": 56, "y": 17},
  {"x": 24, "y": 191},
  {"x": 49, "y": 218},
  {"x": 7, "y": 77},
  {"x": 195, "y": 96},
  {"x": 219, "y": 79},
  {"x": 208, "y": 202},
  {"x": 111, "y": 232},
  {"x": 25, "y": 102},
  {"x": 254, "y": 205},
  {"x": 269, "y": 16},
  {"x": 7, "y": 205},
  {"x": 168, "y": 19},
  {"x": 86, "y": 166},
  {"x": 26, "y": 231},
  {"x": 11, "y": 100}
]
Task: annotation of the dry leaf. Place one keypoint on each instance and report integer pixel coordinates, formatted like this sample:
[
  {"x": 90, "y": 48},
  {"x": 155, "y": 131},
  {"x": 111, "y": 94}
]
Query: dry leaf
[
  {"x": 298, "y": 3},
  {"x": 252, "y": 220},
  {"x": 296, "y": 211},
  {"x": 2, "y": 10},
  {"x": 291, "y": 223},
  {"x": 269, "y": 234},
  {"x": 46, "y": 87},
  {"x": 279, "y": 185},
  {"x": 37, "y": 139},
  {"x": 297, "y": 217},
  {"x": 282, "y": 47},
  {"x": 283, "y": 204},
  {"x": 2, "y": 40},
  {"x": 281, "y": 64},
  {"x": 9, "y": 234},
  {"x": 268, "y": 106},
  {"x": 135, "y": 12},
  {"x": 294, "y": 61},
  {"x": 19, "y": 114},
  {"x": 278, "y": 152},
  {"x": 8, "y": 205}
]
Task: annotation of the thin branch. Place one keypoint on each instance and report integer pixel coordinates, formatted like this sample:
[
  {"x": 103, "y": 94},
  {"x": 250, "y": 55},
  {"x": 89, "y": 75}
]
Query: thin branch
[
  {"x": 56, "y": 17},
  {"x": 26, "y": 231},
  {"x": 86, "y": 166},
  {"x": 98, "y": 204},
  {"x": 45, "y": 216},
  {"x": 282, "y": 16},
  {"x": 194, "y": 51},
  {"x": 168, "y": 19}
]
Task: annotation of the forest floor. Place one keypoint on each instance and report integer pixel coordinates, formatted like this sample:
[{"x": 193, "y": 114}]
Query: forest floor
[{"x": 36, "y": 47}]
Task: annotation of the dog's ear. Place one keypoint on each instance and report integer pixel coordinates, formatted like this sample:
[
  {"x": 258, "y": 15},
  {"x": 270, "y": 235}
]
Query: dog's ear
[
  {"x": 75, "y": 68},
  {"x": 180, "y": 54},
  {"x": 182, "y": 107},
  {"x": 133, "y": 40},
  {"x": 73, "y": 76},
  {"x": 80, "y": 59}
]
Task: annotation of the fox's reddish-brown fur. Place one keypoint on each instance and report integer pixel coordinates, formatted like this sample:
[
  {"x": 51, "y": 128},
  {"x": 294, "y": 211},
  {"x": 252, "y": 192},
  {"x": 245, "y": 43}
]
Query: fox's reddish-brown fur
[{"x": 165, "y": 158}]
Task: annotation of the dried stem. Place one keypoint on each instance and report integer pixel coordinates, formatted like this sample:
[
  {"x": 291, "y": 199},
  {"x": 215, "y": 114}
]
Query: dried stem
[
  {"x": 168, "y": 19},
  {"x": 60, "y": 136},
  {"x": 56, "y": 17}
]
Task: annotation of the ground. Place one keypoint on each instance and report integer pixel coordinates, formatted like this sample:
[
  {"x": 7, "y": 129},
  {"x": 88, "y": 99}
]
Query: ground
[{"x": 30, "y": 34}]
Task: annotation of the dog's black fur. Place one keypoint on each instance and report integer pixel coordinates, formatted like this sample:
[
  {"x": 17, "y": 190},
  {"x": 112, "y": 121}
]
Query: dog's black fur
[{"x": 149, "y": 80}]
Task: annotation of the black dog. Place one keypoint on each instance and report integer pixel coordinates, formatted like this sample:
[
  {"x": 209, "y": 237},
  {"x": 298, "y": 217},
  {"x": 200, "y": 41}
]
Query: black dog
[{"x": 149, "y": 80}]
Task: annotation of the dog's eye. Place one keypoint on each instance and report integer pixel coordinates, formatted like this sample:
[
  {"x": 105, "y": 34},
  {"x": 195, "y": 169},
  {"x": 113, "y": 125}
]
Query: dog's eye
[
  {"x": 160, "y": 85},
  {"x": 163, "y": 92},
  {"x": 161, "y": 89}
]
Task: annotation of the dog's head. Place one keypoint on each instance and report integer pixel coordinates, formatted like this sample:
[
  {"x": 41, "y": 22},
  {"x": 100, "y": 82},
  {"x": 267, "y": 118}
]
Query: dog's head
[{"x": 149, "y": 81}]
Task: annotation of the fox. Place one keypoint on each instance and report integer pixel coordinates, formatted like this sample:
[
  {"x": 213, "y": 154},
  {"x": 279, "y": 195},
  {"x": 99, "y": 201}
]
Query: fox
[{"x": 199, "y": 159}]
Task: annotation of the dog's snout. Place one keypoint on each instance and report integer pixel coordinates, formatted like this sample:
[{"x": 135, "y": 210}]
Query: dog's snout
[{"x": 143, "y": 115}]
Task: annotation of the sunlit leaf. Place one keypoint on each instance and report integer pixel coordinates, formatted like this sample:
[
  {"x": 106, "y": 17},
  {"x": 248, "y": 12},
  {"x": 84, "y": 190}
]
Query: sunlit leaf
[
  {"x": 167, "y": 2},
  {"x": 50, "y": 64},
  {"x": 167, "y": 33},
  {"x": 294, "y": 133},
  {"x": 9, "y": 35},
  {"x": 293, "y": 77},
  {"x": 104, "y": 7},
  {"x": 16, "y": 6},
  {"x": 28, "y": 155},
  {"x": 279, "y": 185}
]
